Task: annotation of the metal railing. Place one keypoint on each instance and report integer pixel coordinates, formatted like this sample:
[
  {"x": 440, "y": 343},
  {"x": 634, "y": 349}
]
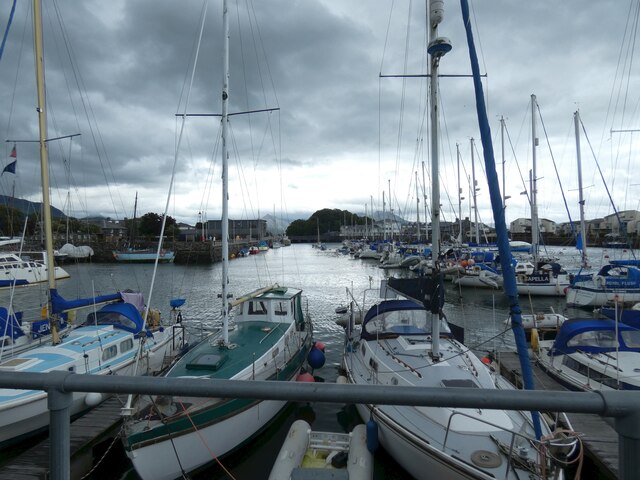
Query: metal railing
[{"x": 622, "y": 406}]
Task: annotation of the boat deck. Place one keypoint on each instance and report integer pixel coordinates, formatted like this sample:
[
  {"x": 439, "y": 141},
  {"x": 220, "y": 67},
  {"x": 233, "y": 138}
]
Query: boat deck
[
  {"x": 250, "y": 340},
  {"x": 98, "y": 425},
  {"x": 599, "y": 439}
]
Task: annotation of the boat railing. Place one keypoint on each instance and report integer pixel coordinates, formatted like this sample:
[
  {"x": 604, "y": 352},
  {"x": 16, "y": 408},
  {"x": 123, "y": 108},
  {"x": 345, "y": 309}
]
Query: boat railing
[
  {"x": 622, "y": 406},
  {"x": 567, "y": 446}
]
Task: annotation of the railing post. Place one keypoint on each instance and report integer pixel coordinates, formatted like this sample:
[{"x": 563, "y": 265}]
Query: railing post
[
  {"x": 628, "y": 429},
  {"x": 59, "y": 404}
]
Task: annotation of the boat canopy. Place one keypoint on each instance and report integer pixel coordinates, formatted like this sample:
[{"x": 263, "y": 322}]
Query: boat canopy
[
  {"x": 391, "y": 318},
  {"x": 595, "y": 336},
  {"x": 620, "y": 270},
  {"x": 121, "y": 315}
]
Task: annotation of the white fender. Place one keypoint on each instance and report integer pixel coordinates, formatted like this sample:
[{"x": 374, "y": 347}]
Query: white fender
[
  {"x": 360, "y": 466},
  {"x": 93, "y": 399},
  {"x": 292, "y": 451}
]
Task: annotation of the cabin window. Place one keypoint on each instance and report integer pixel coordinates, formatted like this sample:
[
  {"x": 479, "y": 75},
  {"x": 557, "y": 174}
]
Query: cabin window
[
  {"x": 602, "y": 339},
  {"x": 281, "y": 308},
  {"x": 109, "y": 352},
  {"x": 257, "y": 308},
  {"x": 126, "y": 345},
  {"x": 631, "y": 338}
]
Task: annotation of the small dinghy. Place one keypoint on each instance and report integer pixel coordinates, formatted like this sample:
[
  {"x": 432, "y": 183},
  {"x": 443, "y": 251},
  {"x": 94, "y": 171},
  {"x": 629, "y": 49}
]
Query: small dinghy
[{"x": 306, "y": 455}]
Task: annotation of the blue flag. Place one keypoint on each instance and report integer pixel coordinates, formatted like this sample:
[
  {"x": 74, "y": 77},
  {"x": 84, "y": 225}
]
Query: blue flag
[{"x": 579, "y": 244}]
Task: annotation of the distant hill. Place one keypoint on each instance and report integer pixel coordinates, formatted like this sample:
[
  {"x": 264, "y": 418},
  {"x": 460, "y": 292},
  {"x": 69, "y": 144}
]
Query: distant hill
[
  {"x": 27, "y": 207},
  {"x": 379, "y": 216}
]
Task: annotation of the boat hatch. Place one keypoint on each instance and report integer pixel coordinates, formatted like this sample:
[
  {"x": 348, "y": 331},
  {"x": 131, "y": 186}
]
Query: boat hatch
[
  {"x": 460, "y": 382},
  {"x": 17, "y": 364},
  {"x": 207, "y": 361}
]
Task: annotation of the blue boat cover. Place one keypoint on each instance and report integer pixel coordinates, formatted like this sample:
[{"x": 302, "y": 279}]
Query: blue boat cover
[
  {"x": 59, "y": 304},
  {"x": 10, "y": 325},
  {"x": 594, "y": 336},
  {"x": 121, "y": 315},
  {"x": 627, "y": 316},
  {"x": 628, "y": 262}
]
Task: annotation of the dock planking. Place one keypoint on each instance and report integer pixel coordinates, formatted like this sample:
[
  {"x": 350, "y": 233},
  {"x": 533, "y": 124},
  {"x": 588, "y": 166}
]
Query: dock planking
[
  {"x": 599, "y": 439},
  {"x": 86, "y": 432}
]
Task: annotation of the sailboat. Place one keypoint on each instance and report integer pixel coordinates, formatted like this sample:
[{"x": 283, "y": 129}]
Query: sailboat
[
  {"x": 124, "y": 338},
  {"x": 270, "y": 340},
  {"x": 141, "y": 255},
  {"x": 616, "y": 282},
  {"x": 404, "y": 342},
  {"x": 539, "y": 277}
]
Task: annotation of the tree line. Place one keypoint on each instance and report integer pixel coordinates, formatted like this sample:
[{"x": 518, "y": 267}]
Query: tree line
[
  {"x": 323, "y": 221},
  {"x": 12, "y": 223}
]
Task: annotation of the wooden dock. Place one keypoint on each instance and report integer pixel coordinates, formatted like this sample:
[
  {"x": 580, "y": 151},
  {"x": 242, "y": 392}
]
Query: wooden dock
[
  {"x": 99, "y": 425},
  {"x": 599, "y": 439}
]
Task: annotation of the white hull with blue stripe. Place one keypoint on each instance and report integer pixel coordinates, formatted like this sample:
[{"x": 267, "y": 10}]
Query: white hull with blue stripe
[{"x": 92, "y": 349}]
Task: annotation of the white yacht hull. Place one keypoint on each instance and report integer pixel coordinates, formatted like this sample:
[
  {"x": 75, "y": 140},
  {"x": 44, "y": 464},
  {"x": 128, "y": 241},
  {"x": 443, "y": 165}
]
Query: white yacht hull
[{"x": 585, "y": 296}]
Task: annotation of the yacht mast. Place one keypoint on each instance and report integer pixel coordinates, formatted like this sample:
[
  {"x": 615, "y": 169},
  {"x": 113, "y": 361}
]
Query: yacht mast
[
  {"x": 460, "y": 198},
  {"x": 438, "y": 47},
  {"x": 535, "y": 235},
  {"x": 44, "y": 156},
  {"x": 225, "y": 172},
  {"x": 417, "y": 209},
  {"x": 583, "y": 232},
  {"x": 474, "y": 186}
]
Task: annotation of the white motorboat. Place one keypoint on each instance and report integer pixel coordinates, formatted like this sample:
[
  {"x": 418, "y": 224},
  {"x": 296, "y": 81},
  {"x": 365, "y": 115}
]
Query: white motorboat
[{"x": 15, "y": 271}]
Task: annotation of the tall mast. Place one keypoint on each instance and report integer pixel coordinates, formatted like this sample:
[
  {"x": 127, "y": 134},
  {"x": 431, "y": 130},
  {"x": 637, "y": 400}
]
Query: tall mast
[
  {"x": 504, "y": 184},
  {"x": 535, "y": 235},
  {"x": 459, "y": 194},
  {"x": 225, "y": 171},
  {"x": 384, "y": 218},
  {"x": 417, "y": 209},
  {"x": 474, "y": 186},
  {"x": 424, "y": 197},
  {"x": 583, "y": 230},
  {"x": 373, "y": 232},
  {"x": 44, "y": 157},
  {"x": 437, "y": 48},
  {"x": 390, "y": 213}
]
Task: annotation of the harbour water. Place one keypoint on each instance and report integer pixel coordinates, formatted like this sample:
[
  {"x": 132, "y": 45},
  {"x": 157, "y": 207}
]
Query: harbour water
[{"x": 324, "y": 276}]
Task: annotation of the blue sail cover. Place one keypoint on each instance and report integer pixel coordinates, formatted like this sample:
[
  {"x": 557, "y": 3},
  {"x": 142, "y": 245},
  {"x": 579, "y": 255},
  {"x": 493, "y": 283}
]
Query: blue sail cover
[
  {"x": 594, "y": 336},
  {"x": 121, "y": 315},
  {"x": 510, "y": 287},
  {"x": 10, "y": 325},
  {"x": 59, "y": 304}
]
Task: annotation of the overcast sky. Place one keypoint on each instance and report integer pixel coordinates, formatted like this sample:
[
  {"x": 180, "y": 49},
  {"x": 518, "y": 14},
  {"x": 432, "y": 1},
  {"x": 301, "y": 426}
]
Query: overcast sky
[{"x": 342, "y": 135}]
